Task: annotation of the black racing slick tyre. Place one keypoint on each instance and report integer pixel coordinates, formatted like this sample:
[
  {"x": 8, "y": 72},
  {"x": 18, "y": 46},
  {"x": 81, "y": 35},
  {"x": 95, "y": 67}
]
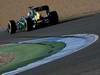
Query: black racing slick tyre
[
  {"x": 29, "y": 25},
  {"x": 12, "y": 27},
  {"x": 53, "y": 17}
]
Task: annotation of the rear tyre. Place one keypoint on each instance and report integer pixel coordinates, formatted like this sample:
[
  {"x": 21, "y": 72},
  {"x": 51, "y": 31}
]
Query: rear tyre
[
  {"x": 53, "y": 17},
  {"x": 12, "y": 27},
  {"x": 29, "y": 24}
]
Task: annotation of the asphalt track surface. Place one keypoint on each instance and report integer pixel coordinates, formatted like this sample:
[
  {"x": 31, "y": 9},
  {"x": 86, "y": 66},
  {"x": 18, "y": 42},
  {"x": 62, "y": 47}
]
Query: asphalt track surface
[{"x": 83, "y": 62}]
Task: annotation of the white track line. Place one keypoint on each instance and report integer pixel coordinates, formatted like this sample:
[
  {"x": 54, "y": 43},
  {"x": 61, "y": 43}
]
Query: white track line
[{"x": 74, "y": 43}]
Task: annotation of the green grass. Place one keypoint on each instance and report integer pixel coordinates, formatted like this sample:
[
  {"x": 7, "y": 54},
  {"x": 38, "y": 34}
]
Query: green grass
[{"x": 27, "y": 53}]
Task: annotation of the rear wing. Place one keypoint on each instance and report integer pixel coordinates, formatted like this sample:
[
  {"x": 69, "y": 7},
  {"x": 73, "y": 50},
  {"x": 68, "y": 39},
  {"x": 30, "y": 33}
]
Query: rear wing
[{"x": 42, "y": 8}]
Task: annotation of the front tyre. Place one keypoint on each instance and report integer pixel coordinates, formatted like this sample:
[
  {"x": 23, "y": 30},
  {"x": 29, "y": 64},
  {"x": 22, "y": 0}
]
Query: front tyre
[
  {"x": 12, "y": 27},
  {"x": 29, "y": 24}
]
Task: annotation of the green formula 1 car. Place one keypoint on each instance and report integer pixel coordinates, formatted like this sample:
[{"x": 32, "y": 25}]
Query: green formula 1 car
[{"x": 36, "y": 17}]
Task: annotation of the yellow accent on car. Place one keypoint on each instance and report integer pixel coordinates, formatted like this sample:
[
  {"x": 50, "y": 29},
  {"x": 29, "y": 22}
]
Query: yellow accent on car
[{"x": 37, "y": 17}]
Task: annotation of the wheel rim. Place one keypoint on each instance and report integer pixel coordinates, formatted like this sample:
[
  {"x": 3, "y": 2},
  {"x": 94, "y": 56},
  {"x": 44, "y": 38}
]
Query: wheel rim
[
  {"x": 26, "y": 25},
  {"x": 9, "y": 27}
]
